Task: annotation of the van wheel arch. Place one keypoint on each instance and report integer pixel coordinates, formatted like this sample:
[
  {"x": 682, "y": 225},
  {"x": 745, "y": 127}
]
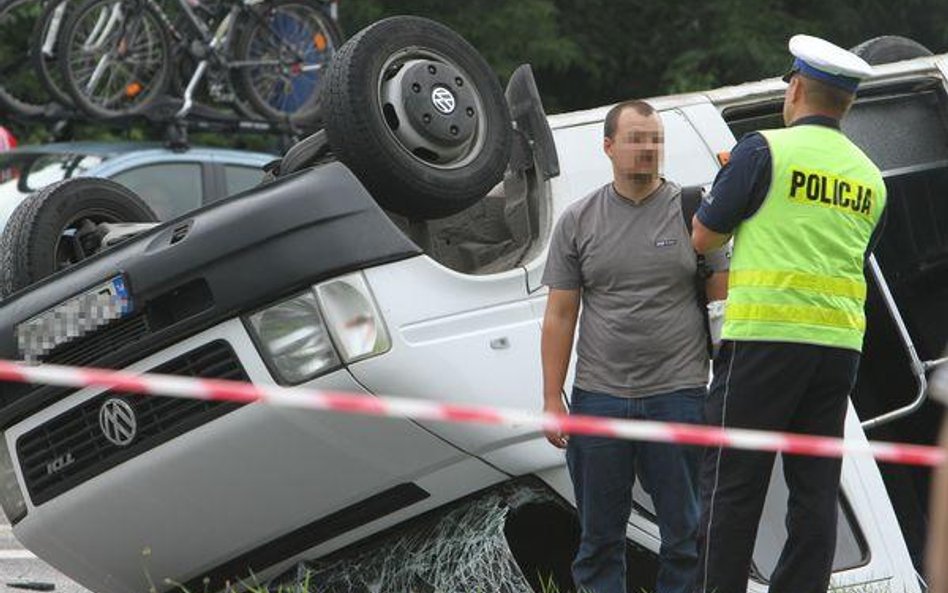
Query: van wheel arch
[{"x": 886, "y": 49}]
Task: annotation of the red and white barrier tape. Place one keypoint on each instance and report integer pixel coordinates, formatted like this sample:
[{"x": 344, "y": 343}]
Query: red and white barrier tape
[{"x": 684, "y": 434}]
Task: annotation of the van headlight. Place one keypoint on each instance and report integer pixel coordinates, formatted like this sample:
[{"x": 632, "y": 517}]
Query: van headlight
[
  {"x": 11, "y": 497},
  {"x": 353, "y": 317},
  {"x": 318, "y": 330},
  {"x": 294, "y": 340}
]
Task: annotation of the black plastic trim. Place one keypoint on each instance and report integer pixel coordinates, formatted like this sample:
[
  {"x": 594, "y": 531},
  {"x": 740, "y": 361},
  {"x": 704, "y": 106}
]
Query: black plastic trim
[
  {"x": 251, "y": 249},
  {"x": 268, "y": 554}
]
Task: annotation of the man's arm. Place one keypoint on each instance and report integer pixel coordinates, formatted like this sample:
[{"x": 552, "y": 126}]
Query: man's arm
[
  {"x": 705, "y": 240},
  {"x": 737, "y": 192},
  {"x": 937, "y": 555},
  {"x": 556, "y": 345},
  {"x": 716, "y": 286},
  {"x": 718, "y": 262}
]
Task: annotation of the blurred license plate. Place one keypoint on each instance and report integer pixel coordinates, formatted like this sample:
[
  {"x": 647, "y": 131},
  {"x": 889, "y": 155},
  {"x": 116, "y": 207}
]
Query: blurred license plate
[{"x": 73, "y": 318}]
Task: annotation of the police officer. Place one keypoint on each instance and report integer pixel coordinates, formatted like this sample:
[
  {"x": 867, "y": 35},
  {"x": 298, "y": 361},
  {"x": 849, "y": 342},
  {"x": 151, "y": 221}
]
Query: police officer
[
  {"x": 937, "y": 555},
  {"x": 802, "y": 204}
]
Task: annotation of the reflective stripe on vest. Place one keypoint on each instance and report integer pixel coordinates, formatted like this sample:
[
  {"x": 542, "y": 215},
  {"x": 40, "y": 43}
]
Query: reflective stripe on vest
[{"x": 797, "y": 266}]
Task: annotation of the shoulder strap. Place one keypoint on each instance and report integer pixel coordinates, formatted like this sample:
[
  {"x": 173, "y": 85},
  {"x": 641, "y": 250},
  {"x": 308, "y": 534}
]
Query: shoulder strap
[{"x": 690, "y": 200}]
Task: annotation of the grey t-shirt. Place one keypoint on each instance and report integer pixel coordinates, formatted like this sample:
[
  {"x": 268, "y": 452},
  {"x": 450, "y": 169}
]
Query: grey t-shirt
[{"x": 640, "y": 330}]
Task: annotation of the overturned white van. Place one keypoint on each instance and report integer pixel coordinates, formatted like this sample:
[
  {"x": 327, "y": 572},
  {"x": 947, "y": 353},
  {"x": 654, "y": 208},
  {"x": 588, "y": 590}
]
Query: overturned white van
[{"x": 387, "y": 256}]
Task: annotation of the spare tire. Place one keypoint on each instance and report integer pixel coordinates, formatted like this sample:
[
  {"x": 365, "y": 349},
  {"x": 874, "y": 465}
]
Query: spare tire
[
  {"x": 890, "y": 48},
  {"x": 39, "y": 238},
  {"x": 419, "y": 117}
]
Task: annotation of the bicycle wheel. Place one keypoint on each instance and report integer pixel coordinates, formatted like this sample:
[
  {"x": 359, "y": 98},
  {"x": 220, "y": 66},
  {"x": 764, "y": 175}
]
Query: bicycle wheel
[
  {"x": 43, "y": 49},
  {"x": 282, "y": 53},
  {"x": 20, "y": 91},
  {"x": 115, "y": 57}
]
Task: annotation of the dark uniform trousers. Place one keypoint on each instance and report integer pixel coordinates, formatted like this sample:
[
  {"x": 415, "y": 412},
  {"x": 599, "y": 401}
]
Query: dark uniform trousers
[{"x": 782, "y": 387}]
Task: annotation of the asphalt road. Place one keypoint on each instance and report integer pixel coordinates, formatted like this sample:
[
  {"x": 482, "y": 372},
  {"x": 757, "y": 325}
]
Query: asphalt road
[{"x": 21, "y": 571}]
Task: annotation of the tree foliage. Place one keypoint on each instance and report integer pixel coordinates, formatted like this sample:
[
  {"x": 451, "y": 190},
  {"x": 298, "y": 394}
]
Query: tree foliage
[{"x": 593, "y": 52}]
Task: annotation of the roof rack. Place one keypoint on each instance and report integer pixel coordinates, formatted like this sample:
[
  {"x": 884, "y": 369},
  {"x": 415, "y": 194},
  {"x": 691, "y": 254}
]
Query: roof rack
[{"x": 162, "y": 116}]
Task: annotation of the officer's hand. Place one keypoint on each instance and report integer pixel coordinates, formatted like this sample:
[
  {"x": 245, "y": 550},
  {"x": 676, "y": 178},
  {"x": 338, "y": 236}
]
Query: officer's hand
[
  {"x": 556, "y": 438},
  {"x": 716, "y": 323}
]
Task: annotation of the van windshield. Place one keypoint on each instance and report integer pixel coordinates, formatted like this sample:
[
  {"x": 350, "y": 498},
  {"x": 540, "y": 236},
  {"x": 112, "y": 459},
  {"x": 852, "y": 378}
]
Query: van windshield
[{"x": 25, "y": 172}]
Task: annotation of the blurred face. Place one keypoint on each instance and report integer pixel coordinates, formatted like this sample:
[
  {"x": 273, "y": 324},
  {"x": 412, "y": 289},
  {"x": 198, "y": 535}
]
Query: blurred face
[{"x": 638, "y": 147}]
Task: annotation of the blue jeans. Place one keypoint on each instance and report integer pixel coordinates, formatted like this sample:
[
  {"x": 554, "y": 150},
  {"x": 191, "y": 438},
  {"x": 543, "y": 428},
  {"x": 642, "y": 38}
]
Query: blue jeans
[{"x": 603, "y": 471}]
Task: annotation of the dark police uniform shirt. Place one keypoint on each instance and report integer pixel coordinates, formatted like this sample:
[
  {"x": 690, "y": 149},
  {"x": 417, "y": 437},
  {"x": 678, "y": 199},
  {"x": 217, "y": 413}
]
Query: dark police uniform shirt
[{"x": 741, "y": 186}]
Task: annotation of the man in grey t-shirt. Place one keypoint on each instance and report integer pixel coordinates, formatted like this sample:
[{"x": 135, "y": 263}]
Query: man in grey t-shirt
[{"x": 624, "y": 253}]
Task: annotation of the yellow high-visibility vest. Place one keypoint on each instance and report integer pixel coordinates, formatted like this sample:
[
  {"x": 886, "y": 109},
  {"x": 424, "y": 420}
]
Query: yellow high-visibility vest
[{"x": 797, "y": 265}]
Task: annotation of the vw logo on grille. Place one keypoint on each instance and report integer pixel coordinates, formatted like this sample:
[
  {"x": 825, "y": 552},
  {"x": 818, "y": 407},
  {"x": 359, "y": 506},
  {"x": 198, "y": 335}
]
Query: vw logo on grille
[
  {"x": 117, "y": 421},
  {"x": 443, "y": 100}
]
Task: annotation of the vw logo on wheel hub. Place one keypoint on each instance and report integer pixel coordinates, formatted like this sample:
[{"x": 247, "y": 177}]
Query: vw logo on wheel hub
[
  {"x": 443, "y": 100},
  {"x": 117, "y": 421}
]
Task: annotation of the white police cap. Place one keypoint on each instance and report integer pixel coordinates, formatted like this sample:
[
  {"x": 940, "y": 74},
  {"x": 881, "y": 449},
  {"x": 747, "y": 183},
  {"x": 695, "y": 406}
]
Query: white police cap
[{"x": 822, "y": 60}]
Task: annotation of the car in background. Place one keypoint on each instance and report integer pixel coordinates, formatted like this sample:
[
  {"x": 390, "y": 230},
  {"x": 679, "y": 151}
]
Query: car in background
[{"x": 171, "y": 182}]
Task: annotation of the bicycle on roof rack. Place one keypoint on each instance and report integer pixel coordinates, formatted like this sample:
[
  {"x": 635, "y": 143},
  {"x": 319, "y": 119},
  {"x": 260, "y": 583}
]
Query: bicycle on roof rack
[
  {"x": 118, "y": 57},
  {"x": 244, "y": 65}
]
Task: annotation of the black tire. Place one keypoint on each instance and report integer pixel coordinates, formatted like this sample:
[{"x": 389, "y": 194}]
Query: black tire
[
  {"x": 20, "y": 92},
  {"x": 137, "y": 93},
  {"x": 418, "y": 160},
  {"x": 266, "y": 27},
  {"x": 33, "y": 245},
  {"x": 890, "y": 48},
  {"x": 47, "y": 65}
]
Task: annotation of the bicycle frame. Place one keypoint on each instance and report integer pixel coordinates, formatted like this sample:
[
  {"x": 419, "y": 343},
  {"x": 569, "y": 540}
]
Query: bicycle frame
[{"x": 221, "y": 38}]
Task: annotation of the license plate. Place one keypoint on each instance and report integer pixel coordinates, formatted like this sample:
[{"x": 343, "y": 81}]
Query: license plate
[{"x": 73, "y": 319}]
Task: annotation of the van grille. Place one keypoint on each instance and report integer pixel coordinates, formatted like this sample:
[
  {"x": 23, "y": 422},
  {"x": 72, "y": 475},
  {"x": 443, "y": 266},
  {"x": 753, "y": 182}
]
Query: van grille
[{"x": 72, "y": 448}]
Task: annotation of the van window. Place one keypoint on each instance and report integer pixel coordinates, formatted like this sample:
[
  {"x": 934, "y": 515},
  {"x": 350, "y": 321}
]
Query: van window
[
  {"x": 851, "y": 550},
  {"x": 688, "y": 161},
  {"x": 898, "y": 131}
]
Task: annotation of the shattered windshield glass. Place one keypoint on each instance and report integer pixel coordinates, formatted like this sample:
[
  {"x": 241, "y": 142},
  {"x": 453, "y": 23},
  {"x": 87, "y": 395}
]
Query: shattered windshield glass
[{"x": 464, "y": 549}]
